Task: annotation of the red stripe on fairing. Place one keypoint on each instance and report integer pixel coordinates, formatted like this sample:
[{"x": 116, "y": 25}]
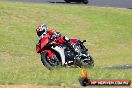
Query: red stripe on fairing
[
  {"x": 37, "y": 49},
  {"x": 44, "y": 41}
]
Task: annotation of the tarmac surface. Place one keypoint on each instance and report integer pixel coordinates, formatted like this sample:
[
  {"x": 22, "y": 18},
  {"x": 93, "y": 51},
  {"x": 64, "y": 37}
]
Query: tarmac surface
[
  {"x": 116, "y": 67},
  {"x": 101, "y": 3}
]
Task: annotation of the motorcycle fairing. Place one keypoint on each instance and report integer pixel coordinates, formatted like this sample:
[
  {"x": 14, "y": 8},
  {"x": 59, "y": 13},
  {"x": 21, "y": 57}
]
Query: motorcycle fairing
[
  {"x": 74, "y": 40},
  {"x": 60, "y": 50},
  {"x": 44, "y": 41},
  {"x": 37, "y": 48}
]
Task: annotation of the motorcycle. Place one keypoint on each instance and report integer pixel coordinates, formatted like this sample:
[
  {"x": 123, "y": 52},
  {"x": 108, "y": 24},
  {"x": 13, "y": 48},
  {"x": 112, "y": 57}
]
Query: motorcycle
[{"x": 54, "y": 55}]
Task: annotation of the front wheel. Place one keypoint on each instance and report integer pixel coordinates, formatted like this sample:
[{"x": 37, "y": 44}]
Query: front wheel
[{"x": 48, "y": 62}]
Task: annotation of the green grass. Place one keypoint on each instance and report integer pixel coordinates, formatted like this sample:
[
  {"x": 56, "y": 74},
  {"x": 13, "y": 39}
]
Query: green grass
[{"x": 108, "y": 32}]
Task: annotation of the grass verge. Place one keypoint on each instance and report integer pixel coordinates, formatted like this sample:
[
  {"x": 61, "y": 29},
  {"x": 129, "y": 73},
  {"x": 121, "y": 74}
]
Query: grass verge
[{"x": 107, "y": 31}]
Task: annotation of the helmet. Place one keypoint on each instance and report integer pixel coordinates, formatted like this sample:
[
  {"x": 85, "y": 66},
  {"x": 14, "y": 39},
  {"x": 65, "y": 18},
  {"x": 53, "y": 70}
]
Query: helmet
[{"x": 41, "y": 29}]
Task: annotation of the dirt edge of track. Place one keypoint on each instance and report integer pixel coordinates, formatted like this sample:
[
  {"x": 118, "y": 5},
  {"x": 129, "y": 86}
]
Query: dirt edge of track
[{"x": 30, "y": 86}]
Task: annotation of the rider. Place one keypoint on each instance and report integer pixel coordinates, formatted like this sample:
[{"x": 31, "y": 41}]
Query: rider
[{"x": 42, "y": 30}]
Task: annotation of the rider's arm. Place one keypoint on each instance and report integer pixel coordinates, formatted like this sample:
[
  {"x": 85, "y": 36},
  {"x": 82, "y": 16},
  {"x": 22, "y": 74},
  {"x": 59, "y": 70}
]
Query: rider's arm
[
  {"x": 54, "y": 34},
  {"x": 51, "y": 31},
  {"x": 62, "y": 39}
]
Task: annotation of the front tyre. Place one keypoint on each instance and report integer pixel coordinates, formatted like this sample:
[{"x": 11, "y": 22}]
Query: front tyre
[{"x": 49, "y": 63}]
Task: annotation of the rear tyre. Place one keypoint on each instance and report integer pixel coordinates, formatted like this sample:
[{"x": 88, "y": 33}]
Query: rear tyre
[
  {"x": 47, "y": 61},
  {"x": 82, "y": 63},
  {"x": 78, "y": 63},
  {"x": 88, "y": 63}
]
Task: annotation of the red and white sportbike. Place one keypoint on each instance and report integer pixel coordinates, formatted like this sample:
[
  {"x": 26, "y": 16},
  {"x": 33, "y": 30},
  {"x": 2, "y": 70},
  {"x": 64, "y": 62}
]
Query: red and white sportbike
[{"x": 53, "y": 54}]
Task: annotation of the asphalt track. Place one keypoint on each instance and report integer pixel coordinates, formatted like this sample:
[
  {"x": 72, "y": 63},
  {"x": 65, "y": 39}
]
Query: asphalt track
[
  {"x": 101, "y": 3},
  {"x": 116, "y": 67}
]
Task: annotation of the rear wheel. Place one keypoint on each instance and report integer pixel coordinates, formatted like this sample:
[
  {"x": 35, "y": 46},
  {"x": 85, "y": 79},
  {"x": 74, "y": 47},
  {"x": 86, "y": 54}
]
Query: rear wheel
[
  {"x": 88, "y": 62},
  {"x": 84, "y": 63},
  {"x": 49, "y": 63}
]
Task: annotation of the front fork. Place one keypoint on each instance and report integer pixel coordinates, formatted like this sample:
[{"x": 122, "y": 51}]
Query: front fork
[{"x": 50, "y": 53}]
